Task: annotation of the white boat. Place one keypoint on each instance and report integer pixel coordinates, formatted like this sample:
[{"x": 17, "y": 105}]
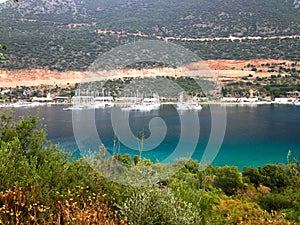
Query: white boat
[
  {"x": 77, "y": 107},
  {"x": 190, "y": 105},
  {"x": 103, "y": 105},
  {"x": 103, "y": 102},
  {"x": 146, "y": 105},
  {"x": 297, "y": 102},
  {"x": 149, "y": 104},
  {"x": 182, "y": 106},
  {"x": 23, "y": 104},
  {"x": 81, "y": 103},
  {"x": 195, "y": 106},
  {"x": 37, "y": 104},
  {"x": 89, "y": 102},
  {"x": 135, "y": 107}
]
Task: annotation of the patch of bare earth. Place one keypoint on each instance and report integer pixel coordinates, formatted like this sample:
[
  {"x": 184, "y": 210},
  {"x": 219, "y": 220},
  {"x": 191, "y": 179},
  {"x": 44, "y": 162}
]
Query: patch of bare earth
[
  {"x": 36, "y": 77},
  {"x": 234, "y": 69}
]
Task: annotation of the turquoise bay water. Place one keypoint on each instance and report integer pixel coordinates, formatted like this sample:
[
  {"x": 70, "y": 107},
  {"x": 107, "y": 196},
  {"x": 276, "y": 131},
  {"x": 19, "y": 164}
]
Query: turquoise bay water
[{"x": 254, "y": 136}]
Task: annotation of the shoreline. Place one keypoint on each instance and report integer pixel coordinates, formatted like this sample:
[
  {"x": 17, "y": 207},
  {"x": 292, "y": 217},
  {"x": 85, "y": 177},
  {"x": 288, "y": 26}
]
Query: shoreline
[{"x": 120, "y": 104}]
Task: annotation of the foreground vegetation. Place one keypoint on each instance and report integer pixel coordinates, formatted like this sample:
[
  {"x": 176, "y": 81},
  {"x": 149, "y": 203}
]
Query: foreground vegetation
[{"x": 42, "y": 185}]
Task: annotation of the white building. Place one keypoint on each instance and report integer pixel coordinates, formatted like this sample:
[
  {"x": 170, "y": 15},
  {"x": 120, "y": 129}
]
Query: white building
[{"x": 43, "y": 99}]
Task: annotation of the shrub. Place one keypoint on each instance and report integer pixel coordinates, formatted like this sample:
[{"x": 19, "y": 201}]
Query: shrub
[
  {"x": 228, "y": 179},
  {"x": 274, "y": 176},
  {"x": 152, "y": 205},
  {"x": 275, "y": 202},
  {"x": 231, "y": 211},
  {"x": 253, "y": 175}
]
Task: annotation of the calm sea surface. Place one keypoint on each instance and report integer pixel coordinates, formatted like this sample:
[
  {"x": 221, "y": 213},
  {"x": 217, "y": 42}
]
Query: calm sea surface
[{"x": 255, "y": 135}]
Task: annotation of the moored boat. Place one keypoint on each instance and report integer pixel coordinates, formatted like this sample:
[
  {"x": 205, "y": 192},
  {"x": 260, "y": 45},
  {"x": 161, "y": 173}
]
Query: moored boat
[
  {"x": 187, "y": 105},
  {"x": 297, "y": 102},
  {"x": 146, "y": 105},
  {"x": 23, "y": 104}
]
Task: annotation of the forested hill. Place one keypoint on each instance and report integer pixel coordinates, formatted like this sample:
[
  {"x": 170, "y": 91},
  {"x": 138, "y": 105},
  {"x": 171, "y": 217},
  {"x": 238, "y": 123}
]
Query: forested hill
[{"x": 69, "y": 34}]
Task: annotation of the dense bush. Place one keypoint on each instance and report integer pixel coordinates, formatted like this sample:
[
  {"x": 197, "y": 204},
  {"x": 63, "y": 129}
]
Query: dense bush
[
  {"x": 228, "y": 179},
  {"x": 276, "y": 202},
  {"x": 275, "y": 177},
  {"x": 253, "y": 175}
]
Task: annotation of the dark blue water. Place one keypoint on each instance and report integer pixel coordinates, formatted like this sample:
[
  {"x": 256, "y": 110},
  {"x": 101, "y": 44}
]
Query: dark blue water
[{"x": 254, "y": 136}]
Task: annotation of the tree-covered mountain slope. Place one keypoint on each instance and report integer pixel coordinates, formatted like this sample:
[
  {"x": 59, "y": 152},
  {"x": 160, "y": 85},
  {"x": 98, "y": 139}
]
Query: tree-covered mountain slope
[{"x": 69, "y": 34}]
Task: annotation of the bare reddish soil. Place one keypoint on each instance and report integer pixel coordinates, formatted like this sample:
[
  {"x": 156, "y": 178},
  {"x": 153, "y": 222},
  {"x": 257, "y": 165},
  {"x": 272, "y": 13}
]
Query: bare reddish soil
[{"x": 222, "y": 68}]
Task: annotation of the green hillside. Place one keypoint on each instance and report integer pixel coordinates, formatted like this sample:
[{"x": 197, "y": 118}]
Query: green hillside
[{"x": 40, "y": 34}]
